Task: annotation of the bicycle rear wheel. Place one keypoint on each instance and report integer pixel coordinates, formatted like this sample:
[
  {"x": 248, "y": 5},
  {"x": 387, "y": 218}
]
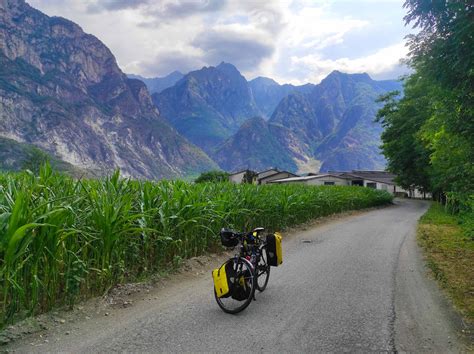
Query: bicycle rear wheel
[
  {"x": 242, "y": 287},
  {"x": 262, "y": 270}
]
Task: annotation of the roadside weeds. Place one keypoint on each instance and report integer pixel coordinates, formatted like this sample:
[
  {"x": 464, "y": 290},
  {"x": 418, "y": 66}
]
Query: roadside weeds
[{"x": 449, "y": 254}]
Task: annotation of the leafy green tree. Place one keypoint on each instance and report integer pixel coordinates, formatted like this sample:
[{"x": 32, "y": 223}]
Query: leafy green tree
[
  {"x": 402, "y": 120},
  {"x": 34, "y": 160},
  {"x": 429, "y": 133},
  {"x": 249, "y": 177},
  {"x": 212, "y": 176},
  {"x": 441, "y": 53},
  {"x": 443, "y": 46}
]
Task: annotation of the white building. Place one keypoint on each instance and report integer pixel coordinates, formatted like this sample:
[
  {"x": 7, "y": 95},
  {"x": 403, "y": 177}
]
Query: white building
[
  {"x": 276, "y": 175},
  {"x": 263, "y": 177},
  {"x": 316, "y": 180},
  {"x": 371, "y": 179},
  {"x": 238, "y": 177}
]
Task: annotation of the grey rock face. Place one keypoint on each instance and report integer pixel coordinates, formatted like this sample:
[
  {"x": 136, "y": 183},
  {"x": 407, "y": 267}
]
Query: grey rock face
[
  {"x": 332, "y": 125},
  {"x": 62, "y": 90},
  {"x": 268, "y": 93},
  {"x": 207, "y": 106}
]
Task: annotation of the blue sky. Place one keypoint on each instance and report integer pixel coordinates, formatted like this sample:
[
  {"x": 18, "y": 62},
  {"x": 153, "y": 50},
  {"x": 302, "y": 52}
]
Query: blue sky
[{"x": 290, "y": 41}]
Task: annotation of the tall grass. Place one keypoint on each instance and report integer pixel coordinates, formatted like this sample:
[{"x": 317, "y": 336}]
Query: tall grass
[{"x": 62, "y": 239}]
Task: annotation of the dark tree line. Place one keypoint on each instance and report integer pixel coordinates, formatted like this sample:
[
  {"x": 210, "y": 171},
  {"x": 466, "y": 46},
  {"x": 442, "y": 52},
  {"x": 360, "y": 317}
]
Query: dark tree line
[{"x": 429, "y": 132}]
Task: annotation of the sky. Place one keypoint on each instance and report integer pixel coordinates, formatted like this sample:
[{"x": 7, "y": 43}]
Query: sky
[{"x": 291, "y": 41}]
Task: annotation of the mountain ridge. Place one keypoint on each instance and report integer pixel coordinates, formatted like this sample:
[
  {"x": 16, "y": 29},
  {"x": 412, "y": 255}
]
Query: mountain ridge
[
  {"x": 158, "y": 84},
  {"x": 208, "y": 105},
  {"x": 268, "y": 93},
  {"x": 62, "y": 90},
  {"x": 333, "y": 123}
]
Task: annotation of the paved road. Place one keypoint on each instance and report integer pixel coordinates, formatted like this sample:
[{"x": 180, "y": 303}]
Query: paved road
[{"x": 358, "y": 285}]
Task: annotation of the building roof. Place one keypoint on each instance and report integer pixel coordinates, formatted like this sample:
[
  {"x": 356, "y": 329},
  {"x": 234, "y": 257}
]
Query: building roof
[
  {"x": 307, "y": 178},
  {"x": 376, "y": 176},
  {"x": 373, "y": 176},
  {"x": 276, "y": 173},
  {"x": 236, "y": 173},
  {"x": 270, "y": 169}
]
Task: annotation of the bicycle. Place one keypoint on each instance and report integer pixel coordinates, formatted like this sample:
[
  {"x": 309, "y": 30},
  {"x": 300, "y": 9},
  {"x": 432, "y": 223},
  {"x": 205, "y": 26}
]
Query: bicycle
[{"x": 247, "y": 271}]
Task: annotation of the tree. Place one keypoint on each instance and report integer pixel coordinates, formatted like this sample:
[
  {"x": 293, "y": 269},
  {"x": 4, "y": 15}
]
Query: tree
[
  {"x": 249, "y": 177},
  {"x": 402, "y": 120},
  {"x": 212, "y": 176},
  {"x": 442, "y": 53},
  {"x": 34, "y": 160},
  {"x": 429, "y": 133}
]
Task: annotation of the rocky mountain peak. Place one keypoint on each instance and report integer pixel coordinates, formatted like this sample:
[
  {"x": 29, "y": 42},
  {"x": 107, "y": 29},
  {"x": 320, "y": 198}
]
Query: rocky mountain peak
[
  {"x": 62, "y": 90},
  {"x": 208, "y": 105},
  {"x": 228, "y": 68},
  {"x": 329, "y": 125},
  {"x": 264, "y": 81}
]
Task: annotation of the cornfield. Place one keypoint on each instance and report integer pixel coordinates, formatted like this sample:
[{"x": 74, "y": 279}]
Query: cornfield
[{"x": 62, "y": 240}]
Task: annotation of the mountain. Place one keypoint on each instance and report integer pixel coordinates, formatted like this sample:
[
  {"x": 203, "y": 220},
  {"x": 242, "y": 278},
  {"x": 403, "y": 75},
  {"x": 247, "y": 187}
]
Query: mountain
[
  {"x": 354, "y": 140},
  {"x": 158, "y": 84},
  {"x": 209, "y": 105},
  {"x": 62, "y": 91},
  {"x": 268, "y": 93},
  {"x": 331, "y": 126},
  {"x": 256, "y": 144}
]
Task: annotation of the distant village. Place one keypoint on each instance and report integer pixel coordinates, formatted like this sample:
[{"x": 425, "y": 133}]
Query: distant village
[{"x": 382, "y": 180}]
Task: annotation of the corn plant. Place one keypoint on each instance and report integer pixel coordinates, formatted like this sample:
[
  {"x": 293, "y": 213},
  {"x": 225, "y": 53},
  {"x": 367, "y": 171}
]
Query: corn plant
[{"x": 62, "y": 240}]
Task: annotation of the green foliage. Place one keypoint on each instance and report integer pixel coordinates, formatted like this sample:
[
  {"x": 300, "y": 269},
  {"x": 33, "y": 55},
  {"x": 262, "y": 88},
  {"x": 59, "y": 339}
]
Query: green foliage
[
  {"x": 429, "y": 133},
  {"x": 448, "y": 243},
  {"x": 213, "y": 176},
  {"x": 35, "y": 160},
  {"x": 402, "y": 120},
  {"x": 63, "y": 239},
  {"x": 249, "y": 177},
  {"x": 443, "y": 46}
]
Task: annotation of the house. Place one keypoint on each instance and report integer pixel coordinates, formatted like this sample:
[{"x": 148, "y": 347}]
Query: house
[
  {"x": 382, "y": 180},
  {"x": 238, "y": 177},
  {"x": 316, "y": 180},
  {"x": 274, "y": 175},
  {"x": 386, "y": 181},
  {"x": 371, "y": 179}
]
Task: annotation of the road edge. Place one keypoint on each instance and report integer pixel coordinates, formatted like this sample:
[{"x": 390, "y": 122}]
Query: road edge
[{"x": 416, "y": 295}]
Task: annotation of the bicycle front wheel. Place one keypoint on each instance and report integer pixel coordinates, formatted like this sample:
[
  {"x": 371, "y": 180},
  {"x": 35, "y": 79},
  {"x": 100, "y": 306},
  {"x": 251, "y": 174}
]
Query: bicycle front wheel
[
  {"x": 262, "y": 270},
  {"x": 242, "y": 284}
]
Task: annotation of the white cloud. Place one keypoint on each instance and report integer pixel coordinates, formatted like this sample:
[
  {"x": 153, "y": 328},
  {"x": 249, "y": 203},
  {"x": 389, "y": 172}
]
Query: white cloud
[
  {"x": 383, "y": 60},
  {"x": 285, "y": 40},
  {"x": 312, "y": 27}
]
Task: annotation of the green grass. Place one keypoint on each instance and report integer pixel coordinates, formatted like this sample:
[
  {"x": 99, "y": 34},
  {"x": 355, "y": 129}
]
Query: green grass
[
  {"x": 449, "y": 249},
  {"x": 63, "y": 240}
]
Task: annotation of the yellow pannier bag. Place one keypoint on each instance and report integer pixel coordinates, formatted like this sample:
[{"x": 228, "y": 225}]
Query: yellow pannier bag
[
  {"x": 221, "y": 283},
  {"x": 274, "y": 251}
]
